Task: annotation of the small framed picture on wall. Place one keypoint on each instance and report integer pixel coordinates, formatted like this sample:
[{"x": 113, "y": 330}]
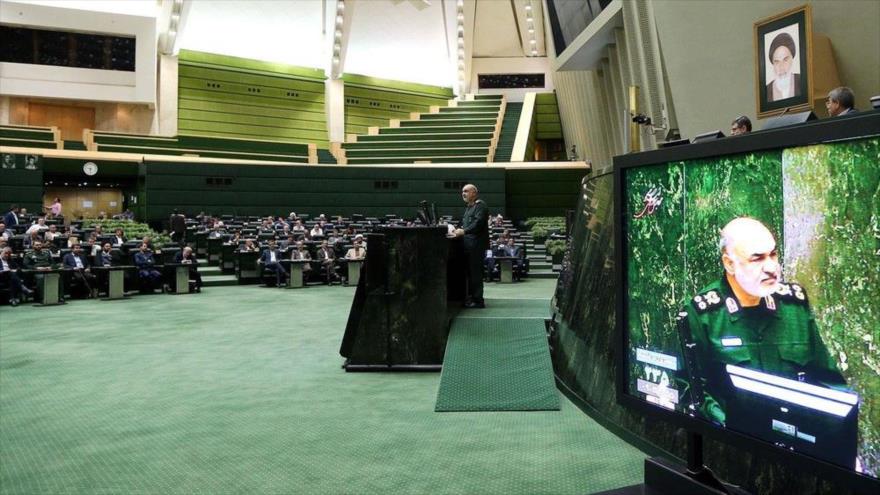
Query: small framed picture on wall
[{"x": 783, "y": 62}]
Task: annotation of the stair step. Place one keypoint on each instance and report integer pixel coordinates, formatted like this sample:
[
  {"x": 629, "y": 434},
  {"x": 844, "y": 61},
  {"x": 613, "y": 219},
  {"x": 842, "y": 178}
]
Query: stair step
[
  {"x": 218, "y": 280},
  {"x": 542, "y": 274}
]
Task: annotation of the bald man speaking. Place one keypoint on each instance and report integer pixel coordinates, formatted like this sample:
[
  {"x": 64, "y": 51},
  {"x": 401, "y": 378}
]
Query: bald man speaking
[
  {"x": 475, "y": 233},
  {"x": 751, "y": 319}
]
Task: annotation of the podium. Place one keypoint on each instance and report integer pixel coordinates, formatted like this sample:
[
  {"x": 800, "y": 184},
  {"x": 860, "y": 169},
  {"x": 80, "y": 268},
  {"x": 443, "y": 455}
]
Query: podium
[{"x": 399, "y": 319}]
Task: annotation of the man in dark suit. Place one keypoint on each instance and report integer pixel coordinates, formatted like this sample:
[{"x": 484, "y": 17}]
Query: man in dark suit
[
  {"x": 107, "y": 257},
  {"x": 300, "y": 252},
  {"x": 328, "y": 262},
  {"x": 11, "y": 217},
  {"x": 80, "y": 270},
  {"x": 148, "y": 275},
  {"x": 9, "y": 272},
  {"x": 178, "y": 227},
  {"x": 185, "y": 256},
  {"x": 271, "y": 259},
  {"x": 840, "y": 101},
  {"x": 475, "y": 233}
]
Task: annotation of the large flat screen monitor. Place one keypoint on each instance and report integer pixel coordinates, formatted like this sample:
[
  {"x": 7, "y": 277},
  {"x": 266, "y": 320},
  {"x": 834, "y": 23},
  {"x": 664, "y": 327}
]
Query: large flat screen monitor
[{"x": 749, "y": 302}]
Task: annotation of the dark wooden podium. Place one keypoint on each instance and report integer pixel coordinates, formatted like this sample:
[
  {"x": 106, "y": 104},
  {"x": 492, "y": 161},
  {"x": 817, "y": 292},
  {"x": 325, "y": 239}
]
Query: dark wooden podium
[{"x": 399, "y": 319}]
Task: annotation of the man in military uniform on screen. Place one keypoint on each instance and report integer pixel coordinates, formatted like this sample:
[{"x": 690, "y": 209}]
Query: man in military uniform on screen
[{"x": 750, "y": 319}]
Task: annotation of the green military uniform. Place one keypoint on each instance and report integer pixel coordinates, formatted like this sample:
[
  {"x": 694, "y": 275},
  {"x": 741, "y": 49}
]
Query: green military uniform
[
  {"x": 779, "y": 337},
  {"x": 475, "y": 224},
  {"x": 42, "y": 259}
]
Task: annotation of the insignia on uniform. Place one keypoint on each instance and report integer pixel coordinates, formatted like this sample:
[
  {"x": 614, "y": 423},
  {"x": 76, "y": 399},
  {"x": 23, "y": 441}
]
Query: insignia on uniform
[
  {"x": 792, "y": 293},
  {"x": 732, "y": 306},
  {"x": 770, "y": 303},
  {"x": 707, "y": 301}
]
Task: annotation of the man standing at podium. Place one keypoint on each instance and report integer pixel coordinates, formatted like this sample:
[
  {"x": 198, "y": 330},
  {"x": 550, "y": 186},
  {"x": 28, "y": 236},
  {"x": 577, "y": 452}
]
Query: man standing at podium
[{"x": 475, "y": 233}]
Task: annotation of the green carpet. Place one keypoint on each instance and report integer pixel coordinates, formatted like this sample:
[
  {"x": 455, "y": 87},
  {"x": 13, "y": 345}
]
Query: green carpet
[
  {"x": 239, "y": 390},
  {"x": 497, "y": 364}
]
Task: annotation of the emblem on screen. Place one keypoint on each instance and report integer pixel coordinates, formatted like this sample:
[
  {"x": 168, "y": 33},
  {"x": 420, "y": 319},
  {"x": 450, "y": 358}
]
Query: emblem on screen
[{"x": 652, "y": 200}]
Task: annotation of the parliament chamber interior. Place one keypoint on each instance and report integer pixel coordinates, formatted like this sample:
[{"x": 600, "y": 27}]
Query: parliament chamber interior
[{"x": 440, "y": 246}]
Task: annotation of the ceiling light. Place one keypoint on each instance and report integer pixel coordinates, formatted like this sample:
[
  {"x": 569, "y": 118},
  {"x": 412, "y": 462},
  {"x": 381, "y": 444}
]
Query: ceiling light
[
  {"x": 461, "y": 53},
  {"x": 460, "y": 17},
  {"x": 340, "y": 6},
  {"x": 337, "y": 48},
  {"x": 339, "y": 20},
  {"x": 461, "y": 42},
  {"x": 460, "y": 29},
  {"x": 534, "y": 52},
  {"x": 335, "y": 61},
  {"x": 460, "y": 3},
  {"x": 531, "y": 30},
  {"x": 461, "y": 64},
  {"x": 337, "y": 35},
  {"x": 533, "y": 42},
  {"x": 528, "y": 7}
]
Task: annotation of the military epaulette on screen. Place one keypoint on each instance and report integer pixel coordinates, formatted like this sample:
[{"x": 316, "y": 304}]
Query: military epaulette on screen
[
  {"x": 792, "y": 293},
  {"x": 706, "y": 301}
]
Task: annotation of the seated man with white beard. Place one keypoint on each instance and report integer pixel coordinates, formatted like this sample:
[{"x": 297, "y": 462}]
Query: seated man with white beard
[{"x": 749, "y": 318}]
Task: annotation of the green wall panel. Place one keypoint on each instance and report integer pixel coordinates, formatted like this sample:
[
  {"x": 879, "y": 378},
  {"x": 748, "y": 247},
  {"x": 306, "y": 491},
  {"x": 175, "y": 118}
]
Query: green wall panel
[
  {"x": 547, "y": 116},
  {"x": 372, "y": 102},
  {"x": 251, "y": 99}
]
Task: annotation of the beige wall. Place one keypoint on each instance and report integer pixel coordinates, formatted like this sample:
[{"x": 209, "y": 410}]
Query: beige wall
[
  {"x": 708, "y": 53},
  {"x": 110, "y": 117}
]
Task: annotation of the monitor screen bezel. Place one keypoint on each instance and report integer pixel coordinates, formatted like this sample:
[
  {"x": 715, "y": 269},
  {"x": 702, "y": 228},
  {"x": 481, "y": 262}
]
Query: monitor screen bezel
[{"x": 859, "y": 126}]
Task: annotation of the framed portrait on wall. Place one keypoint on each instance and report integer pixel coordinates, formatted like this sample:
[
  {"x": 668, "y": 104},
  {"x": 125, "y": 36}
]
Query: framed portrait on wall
[{"x": 783, "y": 62}]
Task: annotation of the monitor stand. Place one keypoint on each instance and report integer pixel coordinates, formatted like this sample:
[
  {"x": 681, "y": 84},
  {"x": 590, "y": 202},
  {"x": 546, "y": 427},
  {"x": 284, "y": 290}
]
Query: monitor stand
[{"x": 662, "y": 476}]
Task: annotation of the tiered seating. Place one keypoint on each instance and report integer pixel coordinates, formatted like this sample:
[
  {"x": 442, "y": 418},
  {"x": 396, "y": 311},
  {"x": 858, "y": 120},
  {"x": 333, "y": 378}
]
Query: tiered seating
[
  {"x": 30, "y": 136},
  {"x": 207, "y": 147},
  {"x": 464, "y": 131}
]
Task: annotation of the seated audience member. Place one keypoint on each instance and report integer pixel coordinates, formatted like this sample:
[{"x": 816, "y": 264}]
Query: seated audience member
[
  {"x": 840, "y": 101},
  {"x": 248, "y": 246},
  {"x": 356, "y": 252},
  {"x": 41, "y": 260},
  {"x": 29, "y": 240},
  {"x": 235, "y": 239},
  {"x": 740, "y": 125},
  {"x": 38, "y": 227},
  {"x": 51, "y": 233},
  {"x": 271, "y": 259},
  {"x": 298, "y": 226},
  {"x": 106, "y": 257},
  {"x": 119, "y": 238},
  {"x": 99, "y": 231},
  {"x": 328, "y": 262},
  {"x": 9, "y": 274},
  {"x": 186, "y": 257},
  {"x": 498, "y": 221},
  {"x": 38, "y": 258},
  {"x": 92, "y": 245},
  {"x": 317, "y": 230},
  {"x": 4, "y": 234},
  {"x": 349, "y": 232},
  {"x": 80, "y": 270},
  {"x": 302, "y": 253},
  {"x": 148, "y": 241},
  {"x": 148, "y": 275},
  {"x": 507, "y": 248},
  {"x": 72, "y": 241},
  {"x": 288, "y": 243}
]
